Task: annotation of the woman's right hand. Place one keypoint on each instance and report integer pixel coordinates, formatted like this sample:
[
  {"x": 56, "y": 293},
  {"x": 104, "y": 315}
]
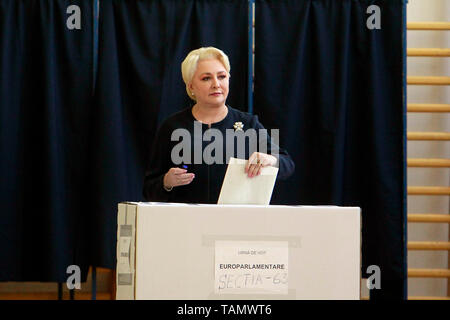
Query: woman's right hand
[{"x": 177, "y": 177}]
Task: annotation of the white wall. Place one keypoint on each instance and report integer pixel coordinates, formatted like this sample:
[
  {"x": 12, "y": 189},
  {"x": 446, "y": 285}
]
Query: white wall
[{"x": 428, "y": 10}]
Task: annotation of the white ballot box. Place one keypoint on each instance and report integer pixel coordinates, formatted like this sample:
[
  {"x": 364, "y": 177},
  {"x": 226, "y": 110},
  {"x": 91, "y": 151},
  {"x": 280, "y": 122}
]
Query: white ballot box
[{"x": 196, "y": 252}]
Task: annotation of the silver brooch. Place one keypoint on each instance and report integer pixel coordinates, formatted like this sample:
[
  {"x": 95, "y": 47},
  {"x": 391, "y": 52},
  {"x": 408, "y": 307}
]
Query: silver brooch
[{"x": 238, "y": 126}]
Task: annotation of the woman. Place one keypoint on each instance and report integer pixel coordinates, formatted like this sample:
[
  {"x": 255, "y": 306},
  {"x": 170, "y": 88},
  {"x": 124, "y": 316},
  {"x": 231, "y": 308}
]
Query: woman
[{"x": 206, "y": 73}]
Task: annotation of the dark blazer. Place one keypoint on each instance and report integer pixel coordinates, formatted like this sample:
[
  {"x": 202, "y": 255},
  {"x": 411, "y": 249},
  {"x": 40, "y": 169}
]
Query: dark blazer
[{"x": 206, "y": 186}]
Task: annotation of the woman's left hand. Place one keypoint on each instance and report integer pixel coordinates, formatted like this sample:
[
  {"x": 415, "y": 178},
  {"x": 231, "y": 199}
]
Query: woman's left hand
[{"x": 258, "y": 160}]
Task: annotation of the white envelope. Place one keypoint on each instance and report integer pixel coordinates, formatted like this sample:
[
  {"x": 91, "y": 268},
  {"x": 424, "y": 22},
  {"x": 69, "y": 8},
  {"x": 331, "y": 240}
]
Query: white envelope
[{"x": 238, "y": 188}]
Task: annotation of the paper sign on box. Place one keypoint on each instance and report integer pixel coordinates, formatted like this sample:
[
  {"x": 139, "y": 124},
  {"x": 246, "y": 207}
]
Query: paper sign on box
[{"x": 251, "y": 267}]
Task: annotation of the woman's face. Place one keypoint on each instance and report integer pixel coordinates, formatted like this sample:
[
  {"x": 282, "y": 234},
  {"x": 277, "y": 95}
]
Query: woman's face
[{"x": 210, "y": 83}]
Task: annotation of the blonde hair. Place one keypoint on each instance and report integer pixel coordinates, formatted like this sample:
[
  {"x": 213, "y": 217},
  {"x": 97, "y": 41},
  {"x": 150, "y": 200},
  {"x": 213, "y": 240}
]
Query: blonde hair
[{"x": 189, "y": 64}]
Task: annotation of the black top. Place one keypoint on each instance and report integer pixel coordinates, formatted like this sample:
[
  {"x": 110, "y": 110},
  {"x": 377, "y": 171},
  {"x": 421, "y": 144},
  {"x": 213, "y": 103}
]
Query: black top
[{"x": 206, "y": 186}]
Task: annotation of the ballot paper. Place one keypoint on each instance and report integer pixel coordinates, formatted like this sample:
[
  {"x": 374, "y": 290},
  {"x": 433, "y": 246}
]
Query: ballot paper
[{"x": 238, "y": 188}]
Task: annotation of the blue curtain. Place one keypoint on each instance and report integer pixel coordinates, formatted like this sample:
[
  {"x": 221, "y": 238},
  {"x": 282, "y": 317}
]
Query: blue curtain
[
  {"x": 68, "y": 157},
  {"x": 45, "y": 105},
  {"x": 334, "y": 88}
]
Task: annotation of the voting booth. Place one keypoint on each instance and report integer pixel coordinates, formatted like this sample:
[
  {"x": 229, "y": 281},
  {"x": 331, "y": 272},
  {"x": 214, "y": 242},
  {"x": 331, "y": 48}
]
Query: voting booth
[{"x": 198, "y": 252}]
